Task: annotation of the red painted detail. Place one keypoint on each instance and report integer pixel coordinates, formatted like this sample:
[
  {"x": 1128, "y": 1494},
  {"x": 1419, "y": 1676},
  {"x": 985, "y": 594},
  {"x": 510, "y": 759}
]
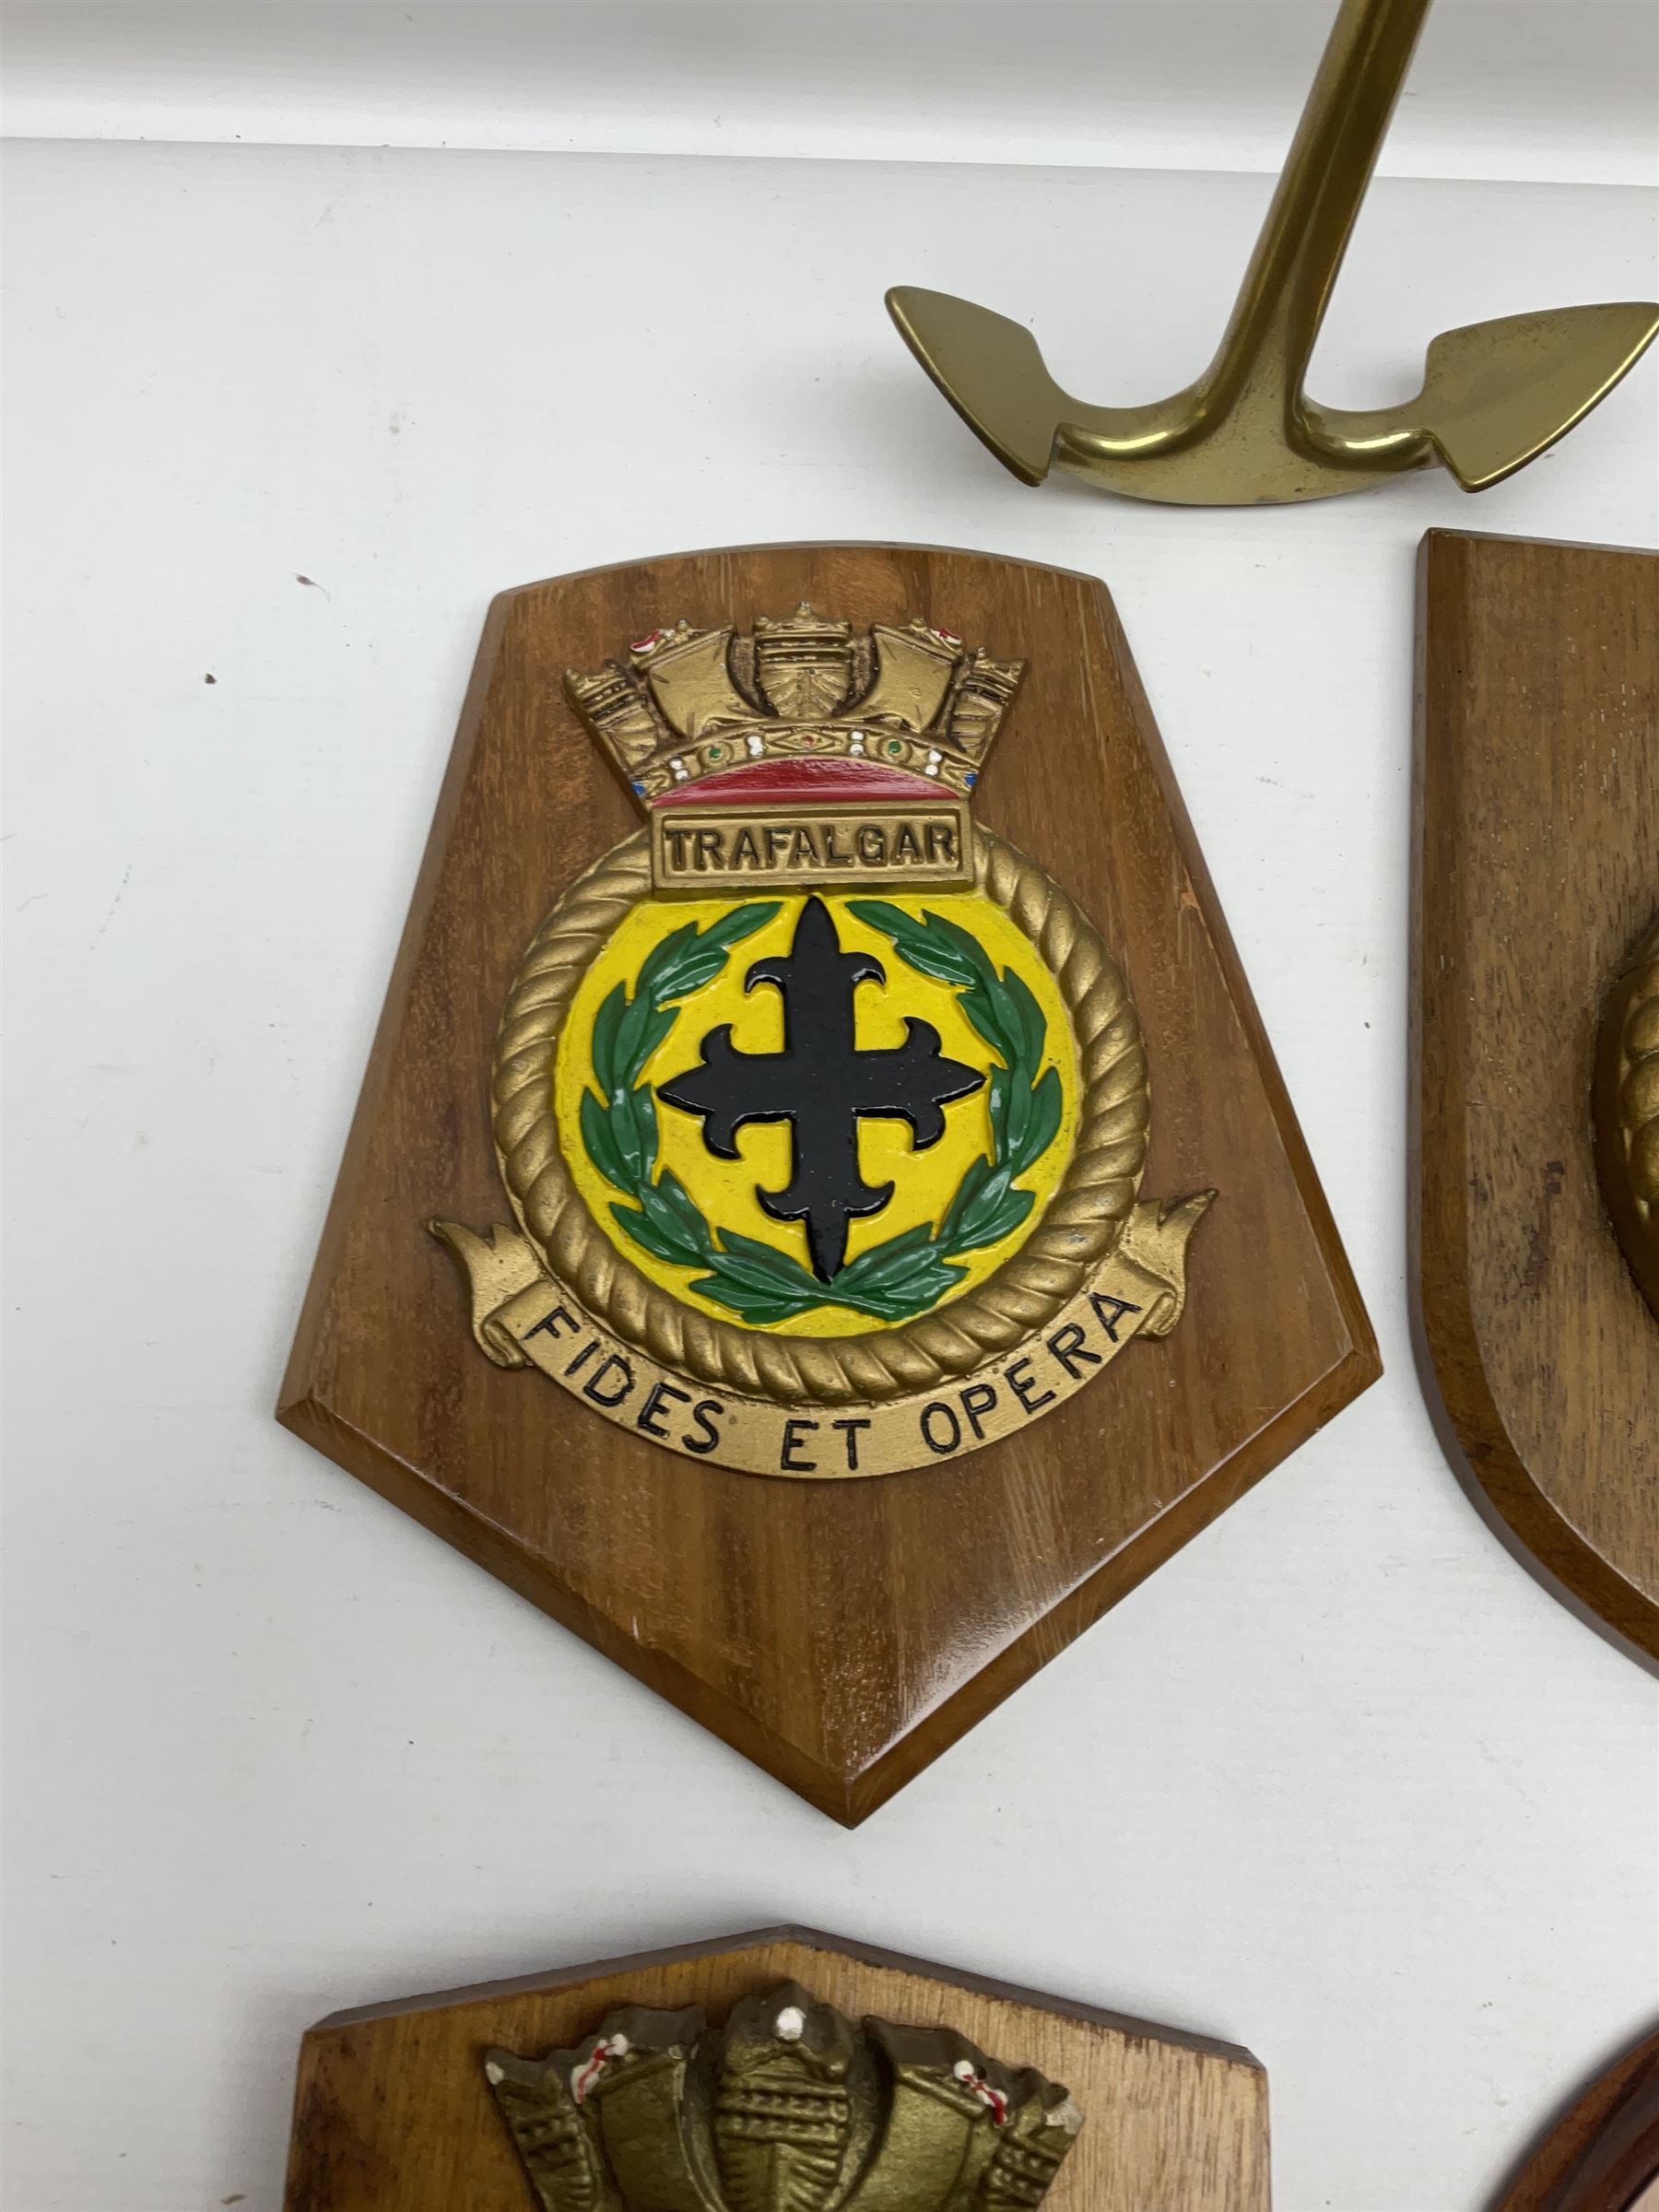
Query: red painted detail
[
  {"x": 591, "y": 2072},
  {"x": 803, "y": 784},
  {"x": 987, "y": 2095}
]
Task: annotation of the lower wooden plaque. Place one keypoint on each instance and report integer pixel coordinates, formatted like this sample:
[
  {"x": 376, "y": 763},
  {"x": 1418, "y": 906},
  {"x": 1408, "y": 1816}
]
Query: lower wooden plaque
[
  {"x": 1536, "y": 1143},
  {"x": 764, "y": 2073},
  {"x": 827, "y": 1244}
]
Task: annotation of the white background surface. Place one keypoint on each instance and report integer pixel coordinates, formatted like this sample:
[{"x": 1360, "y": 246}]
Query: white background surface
[
  {"x": 1560, "y": 91},
  {"x": 1341, "y": 1782}
]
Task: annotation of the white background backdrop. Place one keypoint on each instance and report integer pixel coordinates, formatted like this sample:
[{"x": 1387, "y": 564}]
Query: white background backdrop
[{"x": 1342, "y": 1782}]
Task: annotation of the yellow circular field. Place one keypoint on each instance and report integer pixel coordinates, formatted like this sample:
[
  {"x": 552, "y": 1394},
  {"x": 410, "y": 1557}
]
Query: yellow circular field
[{"x": 725, "y": 1191}]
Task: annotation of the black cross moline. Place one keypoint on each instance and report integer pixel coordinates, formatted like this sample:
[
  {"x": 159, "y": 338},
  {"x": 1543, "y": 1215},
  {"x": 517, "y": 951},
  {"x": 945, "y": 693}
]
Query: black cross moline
[{"x": 821, "y": 1085}]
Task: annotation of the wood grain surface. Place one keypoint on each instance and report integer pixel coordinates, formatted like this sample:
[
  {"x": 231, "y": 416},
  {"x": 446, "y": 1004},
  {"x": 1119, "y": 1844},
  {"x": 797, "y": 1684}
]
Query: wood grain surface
[
  {"x": 1602, "y": 2153},
  {"x": 840, "y": 1634},
  {"x": 1537, "y": 864},
  {"x": 393, "y": 2113}
]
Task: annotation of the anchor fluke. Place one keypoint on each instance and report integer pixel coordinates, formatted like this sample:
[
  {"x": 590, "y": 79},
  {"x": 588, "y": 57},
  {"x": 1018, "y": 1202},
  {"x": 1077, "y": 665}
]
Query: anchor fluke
[
  {"x": 1497, "y": 394},
  {"x": 992, "y": 371}
]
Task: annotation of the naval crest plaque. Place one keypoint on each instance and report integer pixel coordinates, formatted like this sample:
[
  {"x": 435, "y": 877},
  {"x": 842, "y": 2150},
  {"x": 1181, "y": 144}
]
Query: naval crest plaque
[
  {"x": 822, "y": 1218},
  {"x": 821, "y": 1109}
]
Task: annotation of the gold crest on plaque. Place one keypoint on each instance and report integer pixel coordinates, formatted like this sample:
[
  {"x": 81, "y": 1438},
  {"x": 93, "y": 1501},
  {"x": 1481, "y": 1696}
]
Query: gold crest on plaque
[
  {"x": 821, "y": 1111},
  {"x": 789, "y": 2107}
]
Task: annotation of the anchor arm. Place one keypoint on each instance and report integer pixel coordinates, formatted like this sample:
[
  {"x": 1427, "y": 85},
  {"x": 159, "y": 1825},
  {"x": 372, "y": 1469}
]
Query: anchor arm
[{"x": 1497, "y": 394}]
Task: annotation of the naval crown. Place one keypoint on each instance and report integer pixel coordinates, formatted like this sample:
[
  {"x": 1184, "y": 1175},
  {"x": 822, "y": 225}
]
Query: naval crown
[
  {"x": 687, "y": 705},
  {"x": 789, "y": 2107}
]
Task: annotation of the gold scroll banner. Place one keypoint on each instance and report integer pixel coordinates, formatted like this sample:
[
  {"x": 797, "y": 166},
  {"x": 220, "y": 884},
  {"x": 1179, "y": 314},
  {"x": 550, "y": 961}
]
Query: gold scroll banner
[{"x": 522, "y": 1317}]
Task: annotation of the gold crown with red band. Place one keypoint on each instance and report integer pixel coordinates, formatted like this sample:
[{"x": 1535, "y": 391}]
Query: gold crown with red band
[{"x": 798, "y": 693}]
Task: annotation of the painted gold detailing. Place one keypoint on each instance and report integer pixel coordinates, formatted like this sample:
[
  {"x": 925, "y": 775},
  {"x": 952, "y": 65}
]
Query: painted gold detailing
[
  {"x": 688, "y": 704},
  {"x": 1627, "y": 1112},
  {"x": 1082, "y": 1225},
  {"x": 957, "y": 1243},
  {"x": 495, "y": 1268},
  {"x": 789, "y": 2107},
  {"x": 701, "y": 851}
]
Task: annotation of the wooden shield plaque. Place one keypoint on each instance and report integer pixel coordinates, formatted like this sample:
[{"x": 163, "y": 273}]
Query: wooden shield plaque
[
  {"x": 827, "y": 1241},
  {"x": 777, "y": 2072},
  {"x": 1536, "y": 1033}
]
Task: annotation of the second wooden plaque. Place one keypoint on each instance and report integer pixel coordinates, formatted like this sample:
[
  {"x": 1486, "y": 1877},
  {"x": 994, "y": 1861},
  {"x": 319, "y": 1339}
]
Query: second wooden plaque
[{"x": 1536, "y": 1029}]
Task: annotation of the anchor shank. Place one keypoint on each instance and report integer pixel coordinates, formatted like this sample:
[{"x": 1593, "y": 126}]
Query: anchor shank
[{"x": 1287, "y": 284}]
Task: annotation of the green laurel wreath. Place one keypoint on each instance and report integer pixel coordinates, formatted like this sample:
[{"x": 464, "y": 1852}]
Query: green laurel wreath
[{"x": 895, "y": 1280}]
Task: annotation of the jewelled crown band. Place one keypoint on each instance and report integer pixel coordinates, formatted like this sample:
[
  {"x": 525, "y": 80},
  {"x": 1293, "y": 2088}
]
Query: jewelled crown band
[{"x": 819, "y": 709}]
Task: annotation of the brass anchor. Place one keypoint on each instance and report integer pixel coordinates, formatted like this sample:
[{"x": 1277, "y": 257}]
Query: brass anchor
[{"x": 1494, "y": 396}]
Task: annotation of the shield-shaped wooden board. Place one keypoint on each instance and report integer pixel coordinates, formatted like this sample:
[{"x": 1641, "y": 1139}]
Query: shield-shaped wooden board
[
  {"x": 840, "y": 1631},
  {"x": 1537, "y": 880}
]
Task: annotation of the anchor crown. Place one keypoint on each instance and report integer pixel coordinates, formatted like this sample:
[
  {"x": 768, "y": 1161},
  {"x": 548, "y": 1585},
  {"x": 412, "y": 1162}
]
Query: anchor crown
[
  {"x": 789, "y": 2107},
  {"x": 685, "y": 704}
]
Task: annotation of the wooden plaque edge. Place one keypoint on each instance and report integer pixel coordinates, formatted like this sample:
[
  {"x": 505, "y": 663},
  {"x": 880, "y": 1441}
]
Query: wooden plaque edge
[
  {"x": 803, "y": 1938},
  {"x": 1548, "y": 2164}
]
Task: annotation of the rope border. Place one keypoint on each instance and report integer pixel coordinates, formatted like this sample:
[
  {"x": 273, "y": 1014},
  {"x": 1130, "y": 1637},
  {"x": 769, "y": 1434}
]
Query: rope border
[
  {"x": 1082, "y": 1224},
  {"x": 1627, "y": 1110}
]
